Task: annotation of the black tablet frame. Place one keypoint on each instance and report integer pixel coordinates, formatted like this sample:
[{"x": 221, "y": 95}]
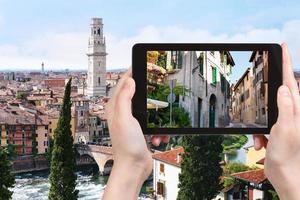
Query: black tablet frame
[{"x": 139, "y": 73}]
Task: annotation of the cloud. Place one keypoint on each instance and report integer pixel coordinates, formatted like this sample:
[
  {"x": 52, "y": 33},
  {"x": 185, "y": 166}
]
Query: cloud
[
  {"x": 68, "y": 50},
  {"x": 120, "y": 48}
]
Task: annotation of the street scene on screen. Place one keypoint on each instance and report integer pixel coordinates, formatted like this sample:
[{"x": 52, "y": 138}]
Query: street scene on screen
[{"x": 214, "y": 89}]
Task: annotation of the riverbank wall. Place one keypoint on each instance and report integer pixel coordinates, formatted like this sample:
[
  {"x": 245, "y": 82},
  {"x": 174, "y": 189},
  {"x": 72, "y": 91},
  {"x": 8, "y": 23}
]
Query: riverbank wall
[{"x": 39, "y": 163}]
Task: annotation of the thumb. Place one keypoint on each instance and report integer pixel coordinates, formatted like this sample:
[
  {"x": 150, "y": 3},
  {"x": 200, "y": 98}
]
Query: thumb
[
  {"x": 285, "y": 104},
  {"x": 124, "y": 97}
]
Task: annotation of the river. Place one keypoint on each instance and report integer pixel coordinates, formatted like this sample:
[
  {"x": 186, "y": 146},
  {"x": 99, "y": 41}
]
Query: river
[
  {"x": 240, "y": 155},
  {"x": 35, "y": 185}
]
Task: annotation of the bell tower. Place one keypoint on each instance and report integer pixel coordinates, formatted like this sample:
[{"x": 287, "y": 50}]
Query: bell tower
[{"x": 96, "y": 77}]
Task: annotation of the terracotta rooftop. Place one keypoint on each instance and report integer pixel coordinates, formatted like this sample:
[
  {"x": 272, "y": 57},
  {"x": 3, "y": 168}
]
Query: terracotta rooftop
[
  {"x": 13, "y": 115},
  {"x": 253, "y": 176},
  {"x": 170, "y": 157}
]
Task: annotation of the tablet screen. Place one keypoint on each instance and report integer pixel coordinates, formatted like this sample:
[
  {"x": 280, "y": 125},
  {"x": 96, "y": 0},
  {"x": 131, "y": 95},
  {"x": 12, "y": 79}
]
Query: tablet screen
[{"x": 207, "y": 89}]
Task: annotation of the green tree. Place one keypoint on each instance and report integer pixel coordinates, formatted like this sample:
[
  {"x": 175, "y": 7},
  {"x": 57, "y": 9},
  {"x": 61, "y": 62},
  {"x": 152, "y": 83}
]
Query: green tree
[
  {"x": 200, "y": 168},
  {"x": 21, "y": 96},
  {"x": 62, "y": 171},
  {"x": 7, "y": 179}
]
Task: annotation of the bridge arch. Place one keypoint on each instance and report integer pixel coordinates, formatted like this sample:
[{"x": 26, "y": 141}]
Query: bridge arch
[{"x": 101, "y": 154}]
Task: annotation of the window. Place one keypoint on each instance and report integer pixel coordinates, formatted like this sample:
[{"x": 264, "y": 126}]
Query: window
[
  {"x": 162, "y": 168},
  {"x": 94, "y": 133},
  {"x": 214, "y": 76},
  {"x": 98, "y": 31},
  {"x": 81, "y": 113},
  {"x": 176, "y": 59},
  {"x": 223, "y": 83},
  {"x": 44, "y": 143},
  {"x": 99, "y": 81},
  {"x": 160, "y": 189},
  {"x": 45, "y": 134},
  {"x": 50, "y": 130},
  {"x": 46, "y": 150},
  {"x": 263, "y": 110},
  {"x": 201, "y": 63}
]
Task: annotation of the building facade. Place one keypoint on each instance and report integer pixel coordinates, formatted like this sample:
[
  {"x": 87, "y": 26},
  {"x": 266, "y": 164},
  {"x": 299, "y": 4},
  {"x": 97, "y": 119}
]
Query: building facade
[
  {"x": 81, "y": 114},
  {"x": 166, "y": 170},
  {"x": 243, "y": 105},
  {"x": 26, "y": 131},
  {"x": 259, "y": 60},
  {"x": 205, "y": 75},
  {"x": 96, "y": 77}
]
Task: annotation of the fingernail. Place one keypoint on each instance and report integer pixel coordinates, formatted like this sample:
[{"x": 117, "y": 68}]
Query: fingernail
[{"x": 283, "y": 90}]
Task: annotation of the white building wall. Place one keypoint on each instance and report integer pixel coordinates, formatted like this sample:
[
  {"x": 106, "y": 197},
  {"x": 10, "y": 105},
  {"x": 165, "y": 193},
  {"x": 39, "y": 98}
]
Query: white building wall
[
  {"x": 197, "y": 84},
  {"x": 257, "y": 194},
  {"x": 170, "y": 178}
]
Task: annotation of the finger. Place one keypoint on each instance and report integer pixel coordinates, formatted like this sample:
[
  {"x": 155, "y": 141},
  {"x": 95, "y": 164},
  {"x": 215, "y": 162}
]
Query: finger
[
  {"x": 156, "y": 140},
  {"x": 289, "y": 78},
  {"x": 260, "y": 141},
  {"x": 123, "y": 98},
  {"x": 120, "y": 84},
  {"x": 285, "y": 105}
]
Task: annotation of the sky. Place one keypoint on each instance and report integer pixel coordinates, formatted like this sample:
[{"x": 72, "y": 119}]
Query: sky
[{"x": 56, "y": 32}]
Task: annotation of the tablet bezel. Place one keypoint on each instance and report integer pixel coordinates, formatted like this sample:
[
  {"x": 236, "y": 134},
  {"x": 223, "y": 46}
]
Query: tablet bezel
[{"x": 139, "y": 74}]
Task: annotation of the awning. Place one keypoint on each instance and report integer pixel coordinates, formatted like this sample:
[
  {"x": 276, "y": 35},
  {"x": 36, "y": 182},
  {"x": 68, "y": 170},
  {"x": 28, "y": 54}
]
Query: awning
[{"x": 156, "y": 104}]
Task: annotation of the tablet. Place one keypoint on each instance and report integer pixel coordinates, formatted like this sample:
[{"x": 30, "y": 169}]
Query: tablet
[{"x": 206, "y": 88}]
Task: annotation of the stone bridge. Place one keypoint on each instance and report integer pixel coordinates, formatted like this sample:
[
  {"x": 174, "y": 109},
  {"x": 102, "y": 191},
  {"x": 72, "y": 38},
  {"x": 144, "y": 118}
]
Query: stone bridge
[{"x": 103, "y": 156}]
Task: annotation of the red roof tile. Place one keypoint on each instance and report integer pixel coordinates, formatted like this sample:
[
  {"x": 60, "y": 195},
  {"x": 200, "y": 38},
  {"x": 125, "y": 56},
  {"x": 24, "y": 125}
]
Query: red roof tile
[
  {"x": 170, "y": 157},
  {"x": 253, "y": 176}
]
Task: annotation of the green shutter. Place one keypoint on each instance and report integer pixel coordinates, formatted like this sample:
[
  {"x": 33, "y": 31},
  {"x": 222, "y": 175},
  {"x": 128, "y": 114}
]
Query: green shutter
[{"x": 214, "y": 75}]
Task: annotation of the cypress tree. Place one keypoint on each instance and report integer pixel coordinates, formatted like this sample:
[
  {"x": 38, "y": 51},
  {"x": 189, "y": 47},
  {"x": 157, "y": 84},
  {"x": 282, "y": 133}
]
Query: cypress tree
[
  {"x": 200, "y": 168},
  {"x": 62, "y": 174},
  {"x": 7, "y": 179}
]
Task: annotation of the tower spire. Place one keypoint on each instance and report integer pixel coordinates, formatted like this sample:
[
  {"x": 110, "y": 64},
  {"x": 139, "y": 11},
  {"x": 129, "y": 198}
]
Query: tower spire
[{"x": 96, "y": 77}]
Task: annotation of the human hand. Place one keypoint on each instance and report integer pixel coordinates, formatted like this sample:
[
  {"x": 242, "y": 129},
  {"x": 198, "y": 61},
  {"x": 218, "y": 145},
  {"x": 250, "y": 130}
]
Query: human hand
[
  {"x": 282, "y": 162},
  {"x": 132, "y": 159}
]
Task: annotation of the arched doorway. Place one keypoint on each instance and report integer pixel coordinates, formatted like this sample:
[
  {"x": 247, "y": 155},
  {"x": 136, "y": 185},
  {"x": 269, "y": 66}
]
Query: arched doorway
[{"x": 212, "y": 111}]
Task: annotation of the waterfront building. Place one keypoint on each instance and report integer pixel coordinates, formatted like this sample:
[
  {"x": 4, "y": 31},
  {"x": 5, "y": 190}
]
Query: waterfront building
[
  {"x": 206, "y": 77},
  {"x": 259, "y": 60},
  {"x": 25, "y": 130},
  {"x": 166, "y": 170},
  {"x": 53, "y": 116},
  {"x": 98, "y": 131},
  {"x": 96, "y": 76}
]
